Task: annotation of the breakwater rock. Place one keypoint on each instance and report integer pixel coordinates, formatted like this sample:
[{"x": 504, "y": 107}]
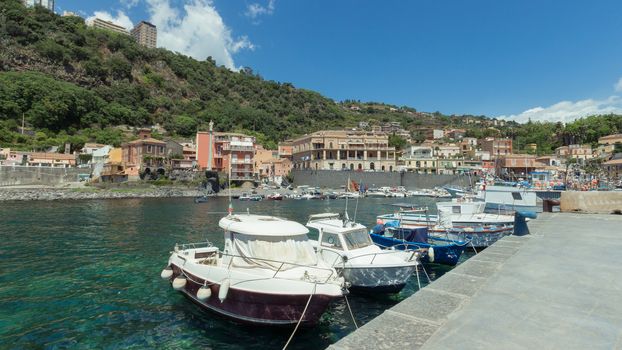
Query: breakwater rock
[{"x": 48, "y": 194}]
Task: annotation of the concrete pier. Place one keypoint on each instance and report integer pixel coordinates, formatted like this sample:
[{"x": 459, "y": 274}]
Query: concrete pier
[{"x": 558, "y": 288}]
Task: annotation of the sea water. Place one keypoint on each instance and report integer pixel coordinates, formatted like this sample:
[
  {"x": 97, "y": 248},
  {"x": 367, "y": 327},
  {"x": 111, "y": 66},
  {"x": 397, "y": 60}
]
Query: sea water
[{"x": 86, "y": 274}]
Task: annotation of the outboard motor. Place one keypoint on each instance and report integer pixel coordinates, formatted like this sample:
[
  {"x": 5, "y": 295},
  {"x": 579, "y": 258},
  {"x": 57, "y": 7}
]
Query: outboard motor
[{"x": 520, "y": 222}]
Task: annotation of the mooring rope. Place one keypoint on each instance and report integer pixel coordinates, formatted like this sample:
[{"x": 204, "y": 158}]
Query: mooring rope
[
  {"x": 301, "y": 317},
  {"x": 351, "y": 314}
]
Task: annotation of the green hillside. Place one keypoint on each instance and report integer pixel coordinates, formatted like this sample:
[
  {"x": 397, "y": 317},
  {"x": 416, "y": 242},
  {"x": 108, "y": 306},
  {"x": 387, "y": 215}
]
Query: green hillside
[{"x": 70, "y": 83}]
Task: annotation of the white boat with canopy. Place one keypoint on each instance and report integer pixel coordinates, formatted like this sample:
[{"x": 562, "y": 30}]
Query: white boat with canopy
[{"x": 268, "y": 273}]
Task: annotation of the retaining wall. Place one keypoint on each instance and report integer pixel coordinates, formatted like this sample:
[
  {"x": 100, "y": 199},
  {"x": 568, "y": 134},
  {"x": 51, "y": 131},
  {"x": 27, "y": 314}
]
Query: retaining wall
[
  {"x": 31, "y": 175},
  {"x": 591, "y": 202},
  {"x": 336, "y": 179}
]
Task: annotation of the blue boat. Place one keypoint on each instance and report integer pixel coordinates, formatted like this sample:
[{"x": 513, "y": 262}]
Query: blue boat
[{"x": 439, "y": 250}]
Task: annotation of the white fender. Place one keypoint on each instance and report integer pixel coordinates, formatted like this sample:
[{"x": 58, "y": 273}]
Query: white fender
[
  {"x": 179, "y": 282},
  {"x": 204, "y": 293},
  {"x": 431, "y": 254},
  {"x": 167, "y": 273},
  {"x": 224, "y": 289}
]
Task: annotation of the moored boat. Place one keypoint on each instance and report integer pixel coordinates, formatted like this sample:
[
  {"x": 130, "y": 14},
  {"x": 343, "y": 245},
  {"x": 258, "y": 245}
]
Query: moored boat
[
  {"x": 347, "y": 247},
  {"x": 436, "y": 250},
  {"x": 247, "y": 282}
]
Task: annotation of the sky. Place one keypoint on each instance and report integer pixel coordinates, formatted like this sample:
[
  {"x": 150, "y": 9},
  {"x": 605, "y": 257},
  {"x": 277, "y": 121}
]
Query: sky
[{"x": 520, "y": 60}]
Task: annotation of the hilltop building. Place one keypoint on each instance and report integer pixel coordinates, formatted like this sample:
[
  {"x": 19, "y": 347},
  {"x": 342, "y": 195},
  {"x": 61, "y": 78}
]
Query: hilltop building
[
  {"x": 101, "y": 24},
  {"x": 48, "y": 4},
  {"x": 146, "y": 34},
  {"x": 342, "y": 150}
]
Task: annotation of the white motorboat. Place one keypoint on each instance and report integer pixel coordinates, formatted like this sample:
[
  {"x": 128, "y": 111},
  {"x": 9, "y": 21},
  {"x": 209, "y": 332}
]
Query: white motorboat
[
  {"x": 347, "y": 246},
  {"x": 267, "y": 274},
  {"x": 461, "y": 212}
]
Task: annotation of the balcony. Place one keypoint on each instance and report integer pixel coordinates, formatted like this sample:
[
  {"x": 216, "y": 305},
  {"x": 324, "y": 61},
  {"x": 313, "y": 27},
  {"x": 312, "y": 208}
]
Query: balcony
[
  {"x": 242, "y": 178},
  {"x": 228, "y": 147},
  {"x": 241, "y": 161}
]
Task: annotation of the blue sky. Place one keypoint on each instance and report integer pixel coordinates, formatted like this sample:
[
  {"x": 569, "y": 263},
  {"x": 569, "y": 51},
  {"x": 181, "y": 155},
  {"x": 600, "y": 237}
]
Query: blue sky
[{"x": 544, "y": 60}]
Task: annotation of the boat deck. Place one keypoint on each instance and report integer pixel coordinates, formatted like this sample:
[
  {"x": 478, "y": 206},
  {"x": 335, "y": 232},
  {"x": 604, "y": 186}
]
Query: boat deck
[{"x": 558, "y": 288}]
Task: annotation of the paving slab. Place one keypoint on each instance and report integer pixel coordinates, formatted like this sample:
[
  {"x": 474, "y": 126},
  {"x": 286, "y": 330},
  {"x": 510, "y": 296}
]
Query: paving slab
[{"x": 558, "y": 288}]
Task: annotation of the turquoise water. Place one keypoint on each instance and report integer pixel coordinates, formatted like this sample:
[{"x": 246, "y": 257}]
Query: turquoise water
[{"x": 86, "y": 274}]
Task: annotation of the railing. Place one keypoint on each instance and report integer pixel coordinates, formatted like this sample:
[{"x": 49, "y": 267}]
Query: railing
[
  {"x": 227, "y": 147},
  {"x": 241, "y": 161},
  {"x": 345, "y": 259},
  {"x": 199, "y": 245}
]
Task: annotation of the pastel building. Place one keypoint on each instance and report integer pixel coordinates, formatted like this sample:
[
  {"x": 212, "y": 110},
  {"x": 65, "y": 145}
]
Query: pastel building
[
  {"x": 344, "y": 150},
  {"x": 143, "y": 155},
  {"x": 217, "y": 151}
]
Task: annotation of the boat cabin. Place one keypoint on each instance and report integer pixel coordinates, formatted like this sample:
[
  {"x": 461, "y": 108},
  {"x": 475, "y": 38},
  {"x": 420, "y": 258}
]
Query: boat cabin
[
  {"x": 339, "y": 234},
  {"x": 266, "y": 241}
]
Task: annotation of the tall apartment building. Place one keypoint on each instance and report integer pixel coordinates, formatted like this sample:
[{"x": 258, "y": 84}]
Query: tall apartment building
[
  {"x": 342, "y": 150},
  {"x": 101, "y": 24},
  {"x": 146, "y": 34},
  {"x": 48, "y": 4},
  {"x": 496, "y": 147},
  {"x": 218, "y": 150}
]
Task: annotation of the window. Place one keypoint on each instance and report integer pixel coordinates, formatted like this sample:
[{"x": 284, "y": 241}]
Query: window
[
  {"x": 331, "y": 240},
  {"x": 149, "y": 149},
  {"x": 357, "y": 239},
  {"x": 455, "y": 209}
]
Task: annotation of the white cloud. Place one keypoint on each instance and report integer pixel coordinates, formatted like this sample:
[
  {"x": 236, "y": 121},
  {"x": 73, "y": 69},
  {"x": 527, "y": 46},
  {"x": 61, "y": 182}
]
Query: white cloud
[
  {"x": 618, "y": 86},
  {"x": 567, "y": 111},
  {"x": 120, "y": 19},
  {"x": 255, "y": 10},
  {"x": 198, "y": 32},
  {"x": 129, "y": 3}
]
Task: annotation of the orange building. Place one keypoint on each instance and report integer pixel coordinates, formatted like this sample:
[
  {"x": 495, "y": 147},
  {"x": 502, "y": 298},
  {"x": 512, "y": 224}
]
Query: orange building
[
  {"x": 496, "y": 147},
  {"x": 143, "y": 155},
  {"x": 215, "y": 149}
]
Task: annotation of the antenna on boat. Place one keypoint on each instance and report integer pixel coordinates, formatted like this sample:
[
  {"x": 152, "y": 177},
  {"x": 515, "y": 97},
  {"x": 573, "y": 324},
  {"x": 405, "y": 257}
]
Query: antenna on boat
[
  {"x": 347, "y": 190},
  {"x": 230, "y": 209},
  {"x": 356, "y": 207}
]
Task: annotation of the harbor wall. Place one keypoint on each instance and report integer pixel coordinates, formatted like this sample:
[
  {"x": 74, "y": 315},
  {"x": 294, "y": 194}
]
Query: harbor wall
[
  {"x": 336, "y": 179},
  {"x": 591, "y": 202},
  {"x": 33, "y": 175}
]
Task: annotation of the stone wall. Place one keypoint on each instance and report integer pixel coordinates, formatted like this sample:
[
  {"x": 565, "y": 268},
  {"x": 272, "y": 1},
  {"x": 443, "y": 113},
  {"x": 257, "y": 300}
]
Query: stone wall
[
  {"x": 30, "y": 175},
  {"x": 591, "y": 202},
  {"x": 336, "y": 179}
]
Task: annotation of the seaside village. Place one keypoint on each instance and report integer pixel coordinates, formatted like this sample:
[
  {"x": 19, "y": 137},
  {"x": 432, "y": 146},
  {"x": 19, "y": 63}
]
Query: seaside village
[{"x": 363, "y": 148}]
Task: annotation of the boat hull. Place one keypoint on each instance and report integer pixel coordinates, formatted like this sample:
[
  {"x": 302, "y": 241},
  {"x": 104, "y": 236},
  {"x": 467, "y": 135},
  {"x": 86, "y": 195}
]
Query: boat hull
[
  {"x": 446, "y": 254},
  {"x": 478, "y": 240},
  {"x": 256, "y": 308},
  {"x": 378, "y": 278}
]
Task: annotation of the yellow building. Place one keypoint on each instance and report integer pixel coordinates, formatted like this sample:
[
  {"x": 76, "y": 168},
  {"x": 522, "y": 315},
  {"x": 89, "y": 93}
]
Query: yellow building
[{"x": 343, "y": 150}]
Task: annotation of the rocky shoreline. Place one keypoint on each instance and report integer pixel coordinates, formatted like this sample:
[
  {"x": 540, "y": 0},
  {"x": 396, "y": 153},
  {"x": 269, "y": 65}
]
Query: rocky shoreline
[{"x": 50, "y": 194}]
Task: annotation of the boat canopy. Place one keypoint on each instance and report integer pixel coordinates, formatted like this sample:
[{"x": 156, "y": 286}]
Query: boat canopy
[{"x": 262, "y": 225}]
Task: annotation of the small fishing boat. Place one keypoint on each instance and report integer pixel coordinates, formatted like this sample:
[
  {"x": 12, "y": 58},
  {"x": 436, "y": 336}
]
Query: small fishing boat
[
  {"x": 275, "y": 196},
  {"x": 462, "y": 212},
  {"x": 436, "y": 250},
  {"x": 200, "y": 199},
  {"x": 346, "y": 246},
  {"x": 250, "y": 197},
  {"x": 267, "y": 274}
]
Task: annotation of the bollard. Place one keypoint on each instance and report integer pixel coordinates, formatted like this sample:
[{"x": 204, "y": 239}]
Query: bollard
[
  {"x": 520, "y": 224},
  {"x": 548, "y": 204}
]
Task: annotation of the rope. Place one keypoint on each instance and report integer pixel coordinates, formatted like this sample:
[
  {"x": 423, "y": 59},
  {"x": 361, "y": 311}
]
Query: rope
[
  {"x": 418, "y": 281},
  {"x": 301, "y": 317},
  {"x": 426, "y": 274},
  {"x": 351, "y": 314}
]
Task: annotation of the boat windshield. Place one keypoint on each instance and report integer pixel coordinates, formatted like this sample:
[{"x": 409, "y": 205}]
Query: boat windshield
[{"x": 357, "y": 239}]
